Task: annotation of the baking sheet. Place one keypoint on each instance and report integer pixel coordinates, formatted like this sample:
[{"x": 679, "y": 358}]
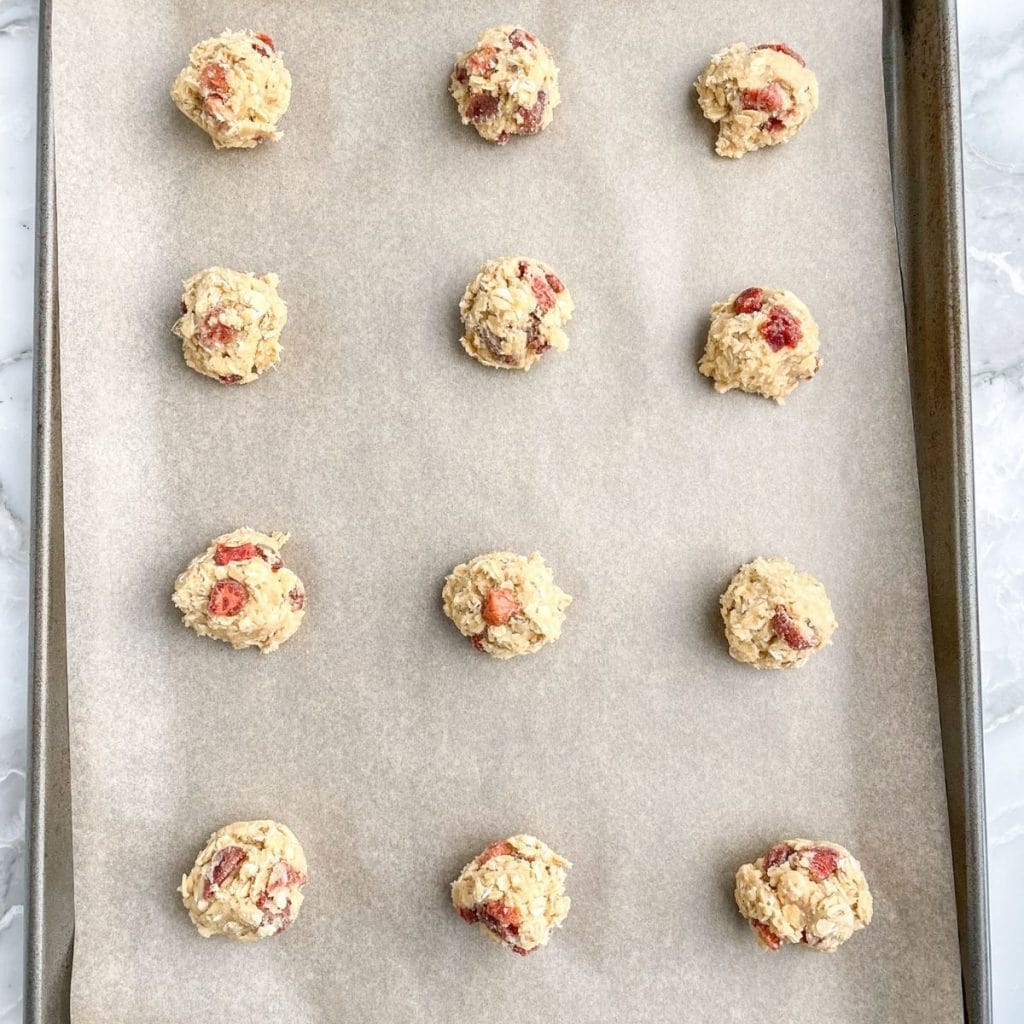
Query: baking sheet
[{"x": 634, "y": 746}]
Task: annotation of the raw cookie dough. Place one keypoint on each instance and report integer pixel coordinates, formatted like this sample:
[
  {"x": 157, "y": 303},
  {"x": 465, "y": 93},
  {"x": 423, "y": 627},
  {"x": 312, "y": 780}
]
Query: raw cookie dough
[
  {"x": 513, "y": 312},
  {"x": 247, "y": 883},
  {"x": 505, "y": 603},
  {"x": 775, "y": 617},
  {"x": 239, "y": 591},
  {"x": 763, "y": 341},
  {"x": 803, "y": 891},
  {"x": 507, "y": 85},
  {"x": 758, "y": 97},
  {"x": 236, "y": 88},
  {"x": 230, "y": 324},
  {"x": 515, "y": 889}
]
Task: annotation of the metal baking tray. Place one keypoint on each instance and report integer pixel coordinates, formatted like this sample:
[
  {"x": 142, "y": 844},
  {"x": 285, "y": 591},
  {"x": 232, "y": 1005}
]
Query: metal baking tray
[{"x": 923, "y": 103}]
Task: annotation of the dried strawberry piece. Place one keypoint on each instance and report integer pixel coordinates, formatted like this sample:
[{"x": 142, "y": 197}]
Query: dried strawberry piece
[
  {"x": 231, "y": 378},
  {"x": 225, "y": 864},
  {"x": 493, "y": 344},
  {"x": 783, "y": 48},
  {"x": 789, "y": 631},
  {"x": 781, "y": 329},
  {"x": 502, "y": 848},
  {"x": 531, "y": 117},
  {"x": 823, "y": 863},
  {"x": 481, "y": 61},
  {"x": 265, "y": 46},
  {"x": 535, "y": 340},
  {"x": 508, "y": 918},
  {"x": 461, "y": 74},
  {"x": 774, "y": 124},
  {"x": 777, "y": 855},
  {"x": 749, "y": 300},
  {"x": 524, "y": 952},
  {"x": 238, "y": 553},
  {"x": 482, "y": 106},
  {"x": 297, "y": 596},
  {"x": 274, "y": 917},
  {"x": 227, "y": 597},
  {"x": 770, "y": 939},
  {"x": 769, "y": 99},
  {"x": 213, "y": 79},
  {"x": 477, "y": 641},
  {"x": 501, "y": 139},
  {"x": 543, "y": 293},
  {"x": 467, "y": 915},
  {"x": 212, "y": 332},
  {"x": 522, "y": 268},
  {"x": 283, "y": 875},
  {"x": 499, "y": 606},
  {"x": 556, "y": 285},
  {"x": 521, "y": 38}
]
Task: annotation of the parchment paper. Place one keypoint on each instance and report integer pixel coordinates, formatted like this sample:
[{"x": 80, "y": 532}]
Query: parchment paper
[{"x": 634, "y": 746}]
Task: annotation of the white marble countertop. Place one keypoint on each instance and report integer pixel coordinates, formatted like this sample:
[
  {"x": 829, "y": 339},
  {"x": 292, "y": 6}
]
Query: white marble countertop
[{"x": 992, "y": 70}]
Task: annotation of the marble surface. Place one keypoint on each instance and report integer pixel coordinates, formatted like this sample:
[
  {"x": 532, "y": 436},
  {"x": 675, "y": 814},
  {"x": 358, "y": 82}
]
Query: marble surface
[{"x": 992, "y": 69}]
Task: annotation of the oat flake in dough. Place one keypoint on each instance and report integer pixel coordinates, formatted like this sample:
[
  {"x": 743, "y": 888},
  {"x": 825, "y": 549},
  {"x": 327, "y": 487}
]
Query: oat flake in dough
[
  {"x": 505, "y": 603},
  {"x": 507, "y": 85},
  {"x": 230, "y": 324},
  {"x": 513, "y": 311},
  {"x": 247, "y": 882},
  {"x": 760, "y": 96},
  {"x": 807, "y": 892},
  {"x": 515, "y": 889},
  {"x": 240, "y": 591},
  {"x": 775, "y": 617},
  {"x": 763, "y": 341},
  {"x": 236, "y": 88}
]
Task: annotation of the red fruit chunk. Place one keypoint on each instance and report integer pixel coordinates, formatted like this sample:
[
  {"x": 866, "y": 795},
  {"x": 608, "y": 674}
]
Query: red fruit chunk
[
  {"x": 238, "y": 553},
  {"x": 749, "y": 300},
  {"x": 480, "y": 62},
  {"x": 225, "y": 864},
  {"x": 520, "y": 37},
  {"x": 543, "y": 293},
  {"x": 556, "y": 286},
  {"x": 502, "y": 139},
  {"x": 213, "y": 79},
  {"x": 467, "y": 915},
  {"x": 265, "y": 46},
  {"x": 777, "y": 855},
  {"x": 271, "y": 557},
  {"x": 212, "y": 332},
  {"x": 461, "y": 74},
  {"x": 781, "y": 329},
  {"x": 522, "y": 268},
  {"x": 297, "y": 596},
  {"x": 499, "y": 606},
  {"x": 283, "y": 875},
  {"x": 531, "y": 117},
  {"x": 227, "y": 598},
  {"x": 507, "y": 918},
  {"x": 482, "y": 106},
  {"x": 231, "y": 378},
  {"x": 771, "y": 940},
  {"x": 477, "y": 642},
  {"x": 770, "y": 99},
  {"x": 524, "y": 952},
  {"x": 783, "y": 48},
  {"x": 534, "y": 339},
  {"x": 787, "y": 630},
  {"x": 502, "y": 848},
  {"x": 775, "y": 124},
  {"x": 823, "y": 863}
]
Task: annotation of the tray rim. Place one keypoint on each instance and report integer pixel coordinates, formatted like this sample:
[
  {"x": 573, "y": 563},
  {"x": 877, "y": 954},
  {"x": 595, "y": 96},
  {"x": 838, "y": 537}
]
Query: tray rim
[{"x": 947, "y": 511}]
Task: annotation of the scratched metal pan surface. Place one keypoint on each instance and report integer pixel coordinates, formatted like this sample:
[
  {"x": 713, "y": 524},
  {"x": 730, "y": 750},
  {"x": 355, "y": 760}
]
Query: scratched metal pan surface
[{"x": 923, "y": 108}]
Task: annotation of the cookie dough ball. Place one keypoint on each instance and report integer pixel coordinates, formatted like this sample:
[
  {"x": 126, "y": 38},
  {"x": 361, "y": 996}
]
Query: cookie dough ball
[
  {"x": 775, "y": 617},
  {"x": 507, "y": 85},
  {"x": 236, "y": 88},
  {"x": 804, "y": 892},
  {"x": 763, "y": 341},
  {"x": 239, "y": 591},
  {"x": 230, "y": 324},
  {"x": 513, "y": 312},
  {"x": 505, "y": 603},
  {"x": 758, "y": 97},
  {"x": 515, "y": 889},
  {"x": 247, "y": 882}
]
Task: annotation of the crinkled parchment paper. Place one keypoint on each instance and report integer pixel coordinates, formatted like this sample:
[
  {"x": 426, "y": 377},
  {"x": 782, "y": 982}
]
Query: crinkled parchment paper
[{"x": 634, "y": 746}]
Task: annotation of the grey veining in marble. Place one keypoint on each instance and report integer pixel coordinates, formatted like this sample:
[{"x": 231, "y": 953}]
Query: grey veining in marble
[{"x": 992, "y": 69}]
